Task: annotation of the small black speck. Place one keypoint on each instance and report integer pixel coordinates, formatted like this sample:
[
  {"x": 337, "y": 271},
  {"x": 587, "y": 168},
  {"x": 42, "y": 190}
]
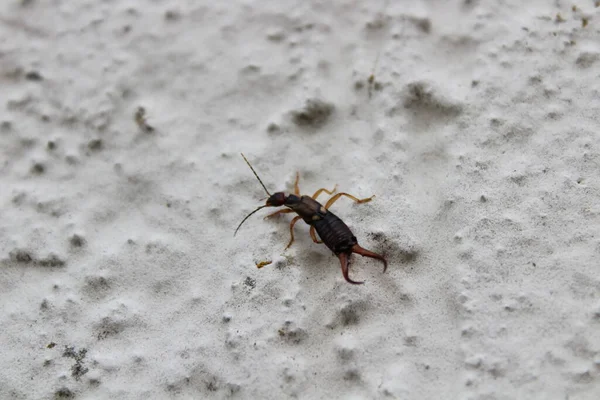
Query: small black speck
[
  {"x": 51, "y": 261},
  {"x": 172, "y": 15},
  {"x": 315, "y": 113},
  {"x": 23, "y": 257},
  {"x": 273, "y": 128},
  {"x": 64, "y": 393},
  {"x": 77, "y": 241},
  {"x": 250, "y": 282},
  {"x": 38, "y": 168},
  {"x": 33, "y": 76},
  {"x": 95, "y": 144},
  {"x": 495, "y": 122},
  {"x": 351, "y": 375},
  {"x": 212, "y": 386}
]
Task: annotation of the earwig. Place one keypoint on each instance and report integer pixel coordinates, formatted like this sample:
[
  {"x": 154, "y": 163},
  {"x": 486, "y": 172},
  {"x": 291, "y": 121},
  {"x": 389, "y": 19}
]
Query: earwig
[{"x": 334, "y": 233}]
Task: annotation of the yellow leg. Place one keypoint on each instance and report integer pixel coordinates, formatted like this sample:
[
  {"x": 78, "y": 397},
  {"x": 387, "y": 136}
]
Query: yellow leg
[
  {"x": 329, "y": 192},
  {"x": 282, "y": 211},
  {"x": 337, "y": 196},
  {"x": 296, "y": 186},
  {"x": 292, "y": 231},
  {"x": 313, "y": 235}
]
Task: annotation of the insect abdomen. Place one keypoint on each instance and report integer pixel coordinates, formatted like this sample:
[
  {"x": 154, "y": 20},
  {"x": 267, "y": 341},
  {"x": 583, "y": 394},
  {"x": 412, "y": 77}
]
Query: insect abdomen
[{"x": 335, "y": 233}]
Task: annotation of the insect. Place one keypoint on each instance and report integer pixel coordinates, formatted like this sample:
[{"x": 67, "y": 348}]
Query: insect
[{"x": 331, "y": 229}]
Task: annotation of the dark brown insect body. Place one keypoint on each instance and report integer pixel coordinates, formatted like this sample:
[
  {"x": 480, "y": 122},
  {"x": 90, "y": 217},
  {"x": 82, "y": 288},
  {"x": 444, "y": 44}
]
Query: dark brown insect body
[{"x": 333, "y": 232}]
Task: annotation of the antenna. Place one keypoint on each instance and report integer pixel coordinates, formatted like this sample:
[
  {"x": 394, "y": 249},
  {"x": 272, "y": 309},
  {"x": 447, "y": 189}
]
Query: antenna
[
  {"x": 264, "y": 187},
  {"x": 247, "y": 216},
  {"x": 255, "y": 174}
]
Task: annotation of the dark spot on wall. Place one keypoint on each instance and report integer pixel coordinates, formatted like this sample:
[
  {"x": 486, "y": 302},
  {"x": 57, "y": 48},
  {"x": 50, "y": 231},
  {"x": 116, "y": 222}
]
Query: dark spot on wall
[
  {"x": 315, "y": 113},
  {"x": 77, "y": 240},
  {"x": 251, "y": 283},
  {"x": 38, "y": 168},
  {"x": 78, "y": 369},
  {"x": 95, "y": 144},
  {"x": 64, "y": 393},
  {"x": 33, "y": 76}
]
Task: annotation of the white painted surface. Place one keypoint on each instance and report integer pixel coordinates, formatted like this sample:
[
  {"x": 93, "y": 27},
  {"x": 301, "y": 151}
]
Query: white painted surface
[{"x": 481, "y": 143}]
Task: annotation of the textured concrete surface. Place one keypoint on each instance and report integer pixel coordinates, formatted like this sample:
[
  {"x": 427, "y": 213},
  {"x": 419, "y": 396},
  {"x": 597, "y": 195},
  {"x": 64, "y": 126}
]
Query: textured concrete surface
[{"x": 475, "y": 124}]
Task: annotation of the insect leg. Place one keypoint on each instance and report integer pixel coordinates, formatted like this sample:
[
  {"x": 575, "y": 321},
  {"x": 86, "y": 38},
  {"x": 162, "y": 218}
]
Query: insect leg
[
  {"x": 366, "y": 253},
  {"x": 296, "y": 186},
  {"x": 337, "y": 196},
  {"x": 329, "y": 192},
  {"x": 344, "y": 260},
  {"x": 292, "y": 230},
  {"x": 314, "y": 236}
]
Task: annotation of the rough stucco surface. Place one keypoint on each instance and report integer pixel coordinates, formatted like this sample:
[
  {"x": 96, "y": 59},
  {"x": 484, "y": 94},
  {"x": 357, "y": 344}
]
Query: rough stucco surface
[{"x": 478, "y": 132}]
